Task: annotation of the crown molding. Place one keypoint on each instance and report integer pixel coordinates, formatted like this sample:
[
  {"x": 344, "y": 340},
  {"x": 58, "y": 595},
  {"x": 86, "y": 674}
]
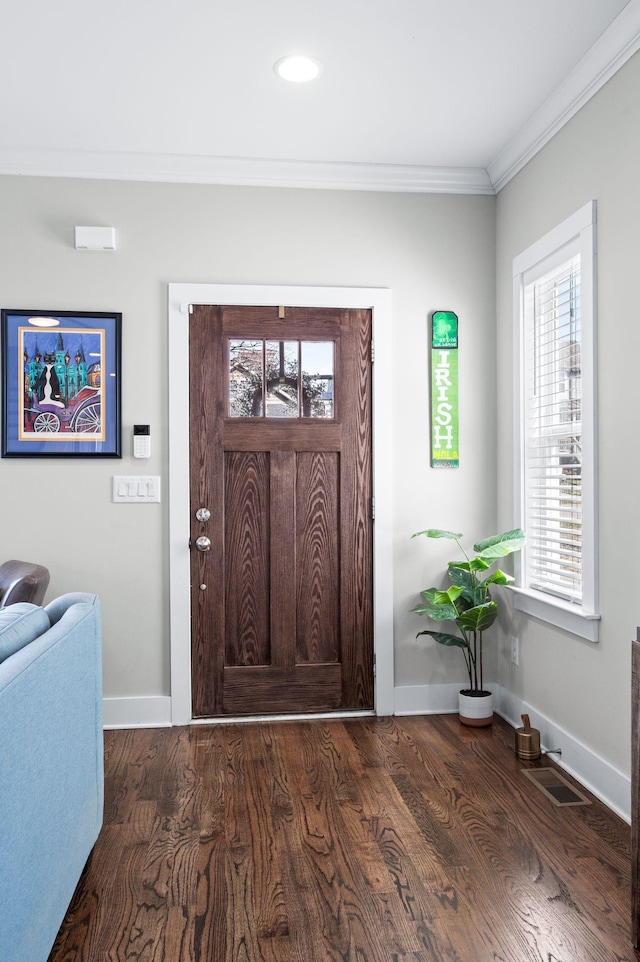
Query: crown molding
[
  {"x": 243, "y": 171},
  {"x": 607, "y": 55}
]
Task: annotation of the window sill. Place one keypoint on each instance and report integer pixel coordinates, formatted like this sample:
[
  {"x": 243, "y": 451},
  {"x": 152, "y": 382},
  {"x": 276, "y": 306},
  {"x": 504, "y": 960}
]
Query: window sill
[{"x": 556, "y": 612}]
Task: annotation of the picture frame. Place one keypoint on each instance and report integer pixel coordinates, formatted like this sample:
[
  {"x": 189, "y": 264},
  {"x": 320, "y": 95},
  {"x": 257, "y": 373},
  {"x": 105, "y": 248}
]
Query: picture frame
[{"x": 61, "y": 384}]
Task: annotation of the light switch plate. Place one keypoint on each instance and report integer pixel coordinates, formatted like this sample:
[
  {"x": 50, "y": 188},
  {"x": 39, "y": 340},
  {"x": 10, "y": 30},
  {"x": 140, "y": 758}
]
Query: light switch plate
[{"x": 136, "y": 489}]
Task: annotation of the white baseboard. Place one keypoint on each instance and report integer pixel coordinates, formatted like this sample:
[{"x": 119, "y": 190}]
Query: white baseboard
[
  {"x": 606, "y": 782},
  {"x": 152, "y": 711}
]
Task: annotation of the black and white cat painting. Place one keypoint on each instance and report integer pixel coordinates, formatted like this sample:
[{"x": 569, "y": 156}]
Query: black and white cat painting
[{"x": 47, "y": 386}]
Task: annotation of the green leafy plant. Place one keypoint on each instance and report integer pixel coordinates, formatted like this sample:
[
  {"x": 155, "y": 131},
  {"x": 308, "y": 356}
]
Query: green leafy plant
[{"x": 467, "y": 601}]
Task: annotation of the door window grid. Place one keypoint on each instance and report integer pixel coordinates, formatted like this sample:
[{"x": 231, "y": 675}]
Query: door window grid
[{"x": 281, "y": 379}]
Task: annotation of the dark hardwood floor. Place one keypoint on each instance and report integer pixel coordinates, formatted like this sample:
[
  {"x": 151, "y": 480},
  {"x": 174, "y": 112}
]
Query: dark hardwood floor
[{"x": 361, "y": 840}]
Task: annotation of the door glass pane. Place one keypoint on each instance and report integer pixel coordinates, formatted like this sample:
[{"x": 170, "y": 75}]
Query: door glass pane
[
  {"x": 282, "y": 367},
  {"x": 245, "y": 378},
  {"x": 266, "y": 378},
  {"x": 317, "y": 379}
]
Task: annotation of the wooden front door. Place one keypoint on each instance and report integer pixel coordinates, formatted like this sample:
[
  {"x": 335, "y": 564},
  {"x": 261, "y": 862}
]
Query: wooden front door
[{"x": 280, "y": 455}]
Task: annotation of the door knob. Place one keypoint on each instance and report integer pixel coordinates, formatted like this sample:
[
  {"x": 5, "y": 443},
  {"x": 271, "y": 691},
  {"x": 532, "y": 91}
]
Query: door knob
[{"x": 203, "y": 543}]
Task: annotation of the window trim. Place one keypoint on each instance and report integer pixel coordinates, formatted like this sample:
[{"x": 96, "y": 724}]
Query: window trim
[{"x": 536, "y": 260}]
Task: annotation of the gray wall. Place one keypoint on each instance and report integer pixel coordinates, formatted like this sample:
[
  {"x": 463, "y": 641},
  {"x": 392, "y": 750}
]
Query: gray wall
[
  {"x": 585, "y": 688},
  {"x": 434, "y": 252}
]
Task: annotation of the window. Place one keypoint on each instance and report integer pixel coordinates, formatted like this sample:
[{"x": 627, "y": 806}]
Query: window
[
  {"x": 281, "y": 379},
  {"x": 556, "y": 503}
]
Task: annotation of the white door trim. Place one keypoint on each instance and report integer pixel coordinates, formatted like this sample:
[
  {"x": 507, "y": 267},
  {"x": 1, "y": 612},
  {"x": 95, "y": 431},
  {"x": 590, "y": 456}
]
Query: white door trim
[{"x": 378, "y": 300}]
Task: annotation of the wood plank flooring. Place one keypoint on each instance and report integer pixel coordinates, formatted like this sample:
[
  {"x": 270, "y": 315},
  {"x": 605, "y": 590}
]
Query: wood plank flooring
[{"x": 360, "y": 840}]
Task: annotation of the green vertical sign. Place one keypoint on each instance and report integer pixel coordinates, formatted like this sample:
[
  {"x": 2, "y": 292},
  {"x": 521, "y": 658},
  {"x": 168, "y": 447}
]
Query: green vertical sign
[{"x": 444, "y": 390}]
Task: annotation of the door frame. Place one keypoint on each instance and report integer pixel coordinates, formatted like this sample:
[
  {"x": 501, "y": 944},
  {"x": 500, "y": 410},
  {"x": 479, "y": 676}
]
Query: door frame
[{"x": 378, "y": 300}]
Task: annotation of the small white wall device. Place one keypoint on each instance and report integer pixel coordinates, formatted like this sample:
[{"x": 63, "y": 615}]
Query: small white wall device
[
  {"x": 141, "y": 441},
  {"x": 95, "y": 238}
]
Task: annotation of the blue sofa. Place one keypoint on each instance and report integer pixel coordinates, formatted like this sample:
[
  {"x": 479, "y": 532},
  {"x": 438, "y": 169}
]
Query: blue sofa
[{"x": 51, "y": 765}]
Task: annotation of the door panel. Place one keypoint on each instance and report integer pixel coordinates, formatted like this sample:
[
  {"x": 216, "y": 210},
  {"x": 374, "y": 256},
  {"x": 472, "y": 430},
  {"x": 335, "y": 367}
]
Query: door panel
[
  {"x": 318, "y": 546},
  {"x": 281, "y": 455},
  {"x": 246, "y": 525},
  {"x": 305, "y": 688}
]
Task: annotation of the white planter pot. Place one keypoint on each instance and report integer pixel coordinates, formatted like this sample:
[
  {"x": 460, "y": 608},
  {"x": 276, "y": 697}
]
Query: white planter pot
[{"x": 475, "y": 710}]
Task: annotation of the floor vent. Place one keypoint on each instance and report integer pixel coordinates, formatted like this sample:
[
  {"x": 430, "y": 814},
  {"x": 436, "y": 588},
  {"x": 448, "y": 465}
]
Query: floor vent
[{"x": 555, "y": 787}]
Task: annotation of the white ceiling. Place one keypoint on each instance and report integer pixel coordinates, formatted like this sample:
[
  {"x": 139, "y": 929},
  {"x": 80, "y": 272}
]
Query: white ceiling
[{"x": 415, "y": 94}]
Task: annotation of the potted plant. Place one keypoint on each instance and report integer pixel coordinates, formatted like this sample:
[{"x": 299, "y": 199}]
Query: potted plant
[{"x": 468, "y": 603}]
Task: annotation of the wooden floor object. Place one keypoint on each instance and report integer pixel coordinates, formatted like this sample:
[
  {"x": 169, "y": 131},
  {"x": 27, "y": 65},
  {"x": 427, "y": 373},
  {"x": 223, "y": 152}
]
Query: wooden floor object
[{"x": 361, "y": 840}]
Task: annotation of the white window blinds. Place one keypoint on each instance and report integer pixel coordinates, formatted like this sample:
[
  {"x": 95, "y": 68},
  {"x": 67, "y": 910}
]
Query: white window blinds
[
  {"x": 555, "y": 429},
  {"x": 553, "y": 432}
]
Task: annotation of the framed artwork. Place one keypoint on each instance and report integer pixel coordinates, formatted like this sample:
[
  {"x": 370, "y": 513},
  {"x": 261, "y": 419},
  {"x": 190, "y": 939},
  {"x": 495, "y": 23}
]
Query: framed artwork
[{"x": 60, "y": 384}]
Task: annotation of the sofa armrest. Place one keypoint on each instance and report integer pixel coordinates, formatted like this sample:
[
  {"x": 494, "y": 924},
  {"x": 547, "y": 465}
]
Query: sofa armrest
[{"x": 56, "y": 609}]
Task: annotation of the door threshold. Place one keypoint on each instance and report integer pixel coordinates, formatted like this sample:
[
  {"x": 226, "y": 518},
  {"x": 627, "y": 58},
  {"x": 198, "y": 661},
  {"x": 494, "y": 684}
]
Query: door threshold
[{"x": 319, "y": 716}]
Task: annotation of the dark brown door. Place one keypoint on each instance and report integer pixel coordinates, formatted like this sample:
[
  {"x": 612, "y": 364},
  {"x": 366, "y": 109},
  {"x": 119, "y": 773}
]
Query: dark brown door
[{"x": 280, "y": 440}]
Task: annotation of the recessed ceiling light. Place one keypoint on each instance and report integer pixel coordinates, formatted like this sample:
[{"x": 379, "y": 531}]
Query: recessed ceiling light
[{"x": 297, "y": 68}]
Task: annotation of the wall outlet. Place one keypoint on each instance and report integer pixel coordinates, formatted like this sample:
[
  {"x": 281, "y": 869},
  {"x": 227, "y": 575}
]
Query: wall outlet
[{"x": 515, "y": 651}]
